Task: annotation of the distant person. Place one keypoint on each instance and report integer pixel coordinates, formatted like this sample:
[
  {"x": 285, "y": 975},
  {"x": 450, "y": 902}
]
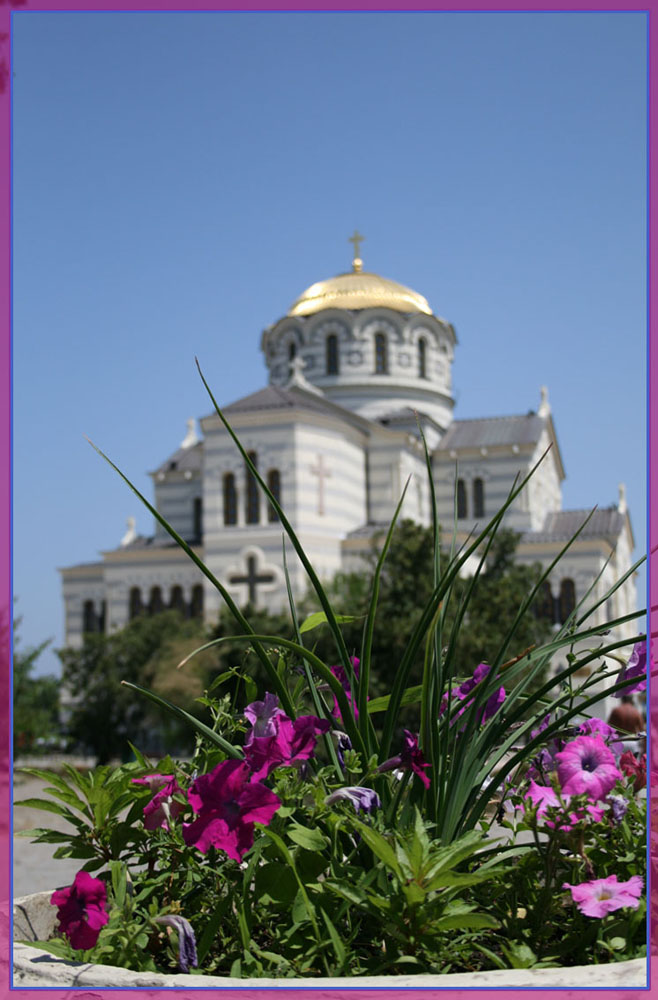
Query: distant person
[{"x": 626, "y": 716}]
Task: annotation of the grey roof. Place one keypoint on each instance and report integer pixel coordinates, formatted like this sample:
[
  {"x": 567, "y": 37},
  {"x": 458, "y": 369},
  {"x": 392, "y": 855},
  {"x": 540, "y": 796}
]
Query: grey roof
[
  {"x": 183, "y": 460},
  {"x": 605, "y": 522},
  {"x": 406, "y": 415},
  {"x": 273, "y": 397},
  {"x": 492, "y": 431}
]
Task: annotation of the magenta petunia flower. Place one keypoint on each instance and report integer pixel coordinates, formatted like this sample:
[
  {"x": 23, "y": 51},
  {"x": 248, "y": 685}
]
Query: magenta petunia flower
[
  {"x": 636, "y": 667},
  {"x": 283, "y": 741},
  {"x": 603, "y": 895},
  {"x": 228, "y": 804},
  {"x": 411, "y": 758},
  {"x": 461, "y": 694},
  {"x": 597, "y": 727},
  {"x": 587, "y": 765},
  {"x": 162, "y": 808},
  {"x": 543, "y": 796},
  {"x": 340, "y": 674},
  {"x": 81, "y": 910}
]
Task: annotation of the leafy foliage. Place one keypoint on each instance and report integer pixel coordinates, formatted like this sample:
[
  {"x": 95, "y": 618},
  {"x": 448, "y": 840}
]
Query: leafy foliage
[{"x": 36, "y": 699}]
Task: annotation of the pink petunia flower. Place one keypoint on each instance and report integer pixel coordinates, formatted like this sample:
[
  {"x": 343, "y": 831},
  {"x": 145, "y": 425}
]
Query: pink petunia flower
[
  {"x": 162, "y": 808},
  {"x": 81, "y": 910},
  {"x": 544, "y": 796},
  {"x": 228, "y": 804},
  {"x": 587, "y": 765},
  {"x": 636, "y": 667},
  {"x": 603, "y": 895},
  {"x": 597, "y": 727},
  {"x": 283, "y": 741},
  {"x": 411, "y": 758}
]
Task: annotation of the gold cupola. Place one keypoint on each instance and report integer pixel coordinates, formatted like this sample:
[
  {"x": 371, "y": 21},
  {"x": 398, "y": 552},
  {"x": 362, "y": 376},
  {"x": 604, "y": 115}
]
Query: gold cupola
[{"x": 358, "y": 289}]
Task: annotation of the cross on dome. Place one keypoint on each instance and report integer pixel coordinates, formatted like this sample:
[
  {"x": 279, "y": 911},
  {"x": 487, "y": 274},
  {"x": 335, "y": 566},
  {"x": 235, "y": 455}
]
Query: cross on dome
[{"x": 355, "y": 239}]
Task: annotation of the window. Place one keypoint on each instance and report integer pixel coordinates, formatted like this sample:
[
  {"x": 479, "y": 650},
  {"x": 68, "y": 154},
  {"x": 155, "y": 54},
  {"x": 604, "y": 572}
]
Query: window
[
  {"x": 332, "y": 354},
  {"x": 197, "y": 519},
  {"x": 274, "y": 486},
  {"x": 156, "y": 604},
  {"x": 381, "y": 355},
  {"x": 89, "y": 622},
  {"x": 230, "y": 499},
  {"x": 253, "y": 505},
  {"x": 196, "y": 604},
  {"x": 292, "y": 350},
  {"x": 176, "y": 599},
  {"x": 544, "y": 603},
  {"x": 462, "y": 506},
  {"x": 135, "y": 602},
  {"x": 478, "y": 498},
  {"x": 422, "y": 358},
  {"x": 567, "y": 599}
]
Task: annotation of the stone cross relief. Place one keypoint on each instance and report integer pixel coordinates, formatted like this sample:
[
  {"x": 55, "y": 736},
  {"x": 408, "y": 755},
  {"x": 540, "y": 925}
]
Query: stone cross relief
[
  {"x": 322, "y": 472},
  {"x": 252, "y": 578}
]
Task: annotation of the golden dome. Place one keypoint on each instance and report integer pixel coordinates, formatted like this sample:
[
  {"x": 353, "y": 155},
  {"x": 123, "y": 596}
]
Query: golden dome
[{"x": 358, "y": 290}]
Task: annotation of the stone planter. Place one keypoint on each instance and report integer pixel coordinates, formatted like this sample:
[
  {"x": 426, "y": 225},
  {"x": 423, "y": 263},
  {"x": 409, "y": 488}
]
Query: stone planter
[{"x": 34, "y": 920}]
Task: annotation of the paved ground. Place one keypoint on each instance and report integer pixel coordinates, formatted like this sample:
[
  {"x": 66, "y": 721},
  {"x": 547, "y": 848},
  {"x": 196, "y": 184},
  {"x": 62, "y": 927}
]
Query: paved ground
[{"x": 35, "y": 869}]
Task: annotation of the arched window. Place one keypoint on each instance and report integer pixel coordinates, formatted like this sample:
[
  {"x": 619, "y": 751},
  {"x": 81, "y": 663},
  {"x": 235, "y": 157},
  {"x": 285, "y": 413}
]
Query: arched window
[
  {"x": 89, "y": 622},
  {"x": 478, "y": 498},
  {"x": 176, "y": 599},
  {"x": 274, "y": 486},
  {"x": 197, "y": 519},
  {"x": 230, "y": 499},
  {"x": 567, "y": 599},
  {"x": 381, "y": 354},
  {"x": 422, "y": 358},
  {"x": 103, "y": 617},
  {"x": 252, "y": 512},
  {"x": 462, "y": 505},
  {"x": 332, "y": 354},
  {"x": 156, "y": 604},
  {"x": 135, "y": 603},
  {"x": 544, "y": 603},
  {"x": 196, "y": 604},
  {"x": 292, "y": 350}
]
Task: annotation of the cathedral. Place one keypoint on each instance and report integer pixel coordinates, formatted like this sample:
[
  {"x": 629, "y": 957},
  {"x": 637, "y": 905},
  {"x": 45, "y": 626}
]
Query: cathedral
[{"x": 357, "y": 364}]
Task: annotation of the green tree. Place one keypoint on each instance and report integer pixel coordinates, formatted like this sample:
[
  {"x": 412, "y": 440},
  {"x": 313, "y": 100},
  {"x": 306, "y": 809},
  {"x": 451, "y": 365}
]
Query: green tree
[
  {"x": 104, "y": 715},
  {"x": 36, "y": 699}
]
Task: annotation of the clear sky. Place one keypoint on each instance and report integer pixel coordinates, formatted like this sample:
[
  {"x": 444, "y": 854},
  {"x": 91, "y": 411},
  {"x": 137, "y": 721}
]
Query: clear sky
[{"x": 180, "y": 178}]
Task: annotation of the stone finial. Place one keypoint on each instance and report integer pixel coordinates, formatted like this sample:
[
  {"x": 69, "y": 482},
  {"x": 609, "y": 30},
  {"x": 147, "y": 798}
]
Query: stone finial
[
  {"x": 191, "y": 436},
  {"x": 544, "y": 406},
  {"x": 131, "y": 533},
  {"x": 297, "y": 378},
  {"x": 622, "y": 506}
]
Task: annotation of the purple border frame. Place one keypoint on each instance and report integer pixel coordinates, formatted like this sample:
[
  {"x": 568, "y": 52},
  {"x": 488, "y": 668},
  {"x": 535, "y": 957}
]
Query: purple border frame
[{"x": 7, "y": 7}]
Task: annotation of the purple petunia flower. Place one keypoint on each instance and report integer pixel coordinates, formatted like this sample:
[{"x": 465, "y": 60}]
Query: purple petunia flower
[
  {"x": 282, "y": 741},
  {"x": 587, "y": 765},
  {"x": 594, "y": 727},
  {"x": 343, "y": 743},
  {"x": 361, "y": 798},
  {"x": 228, "y": 804},
  {"x": 186, "y": 940},
  {"x": 340, "y": 674},
  {"x": 618, "y": 808},
  {"x": 636, "y": 667},
  {"x": 162, "y": 808},
  {"x": 411, "y": 758},
  {"x": 81, "y": 910},
  {"x": 461, "y": 694},
  {"x": 603, "y": 895}
]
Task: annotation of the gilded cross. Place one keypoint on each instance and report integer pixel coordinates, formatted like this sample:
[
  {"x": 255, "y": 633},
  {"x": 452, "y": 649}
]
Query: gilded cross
[
  {"x": 356, "y": 238},
  {"x": 322, "y": 473}
]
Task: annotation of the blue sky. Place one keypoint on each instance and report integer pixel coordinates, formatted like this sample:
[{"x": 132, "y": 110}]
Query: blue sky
[{"x": 180, "y": 178}]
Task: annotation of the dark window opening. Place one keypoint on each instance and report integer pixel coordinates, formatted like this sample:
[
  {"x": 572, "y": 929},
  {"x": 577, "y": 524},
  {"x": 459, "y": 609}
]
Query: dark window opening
[
  {"x": 197, "y": 519},
  {"x": 135, "y": 606},
  {"x": 253, "y": 498},
  {"x": 292, "y": 351},
  {"x": 196, "y": 604},
  {"x": 566, "y": 600},
  {"x": 462, "y": 506},
  {"x": 176, "y": 599},
  {"x": 381, "y": 355},
  {"x": 156, "y": 604},
  {"x": 274, "y": 486},
  {"x": 332, "y": 354},
  {"x": 89, "y": 620},
  {"x": 422, "y": 358},
  {"x": 230, "y": 499},
  {"x": 478, "y": 498}
]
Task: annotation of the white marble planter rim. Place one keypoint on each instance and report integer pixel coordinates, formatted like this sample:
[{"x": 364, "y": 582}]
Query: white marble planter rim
[{"x": 34, "y": 920}]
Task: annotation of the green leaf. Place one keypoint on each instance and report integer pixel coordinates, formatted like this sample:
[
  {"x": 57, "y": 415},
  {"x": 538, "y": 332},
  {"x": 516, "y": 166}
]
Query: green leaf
[
  {"x": 276, "y": 882},
  {"x": 380, "y": 847},
  {"x": 520, "y": 956},
  {"x": 118, "y": 872},
  {"x": 320, "y": 618},
  {"x": 338, "y": 946},
  {"x": 312, "y": 840},
  {"x": 52, "y": 807},
  {"x": 410, "y": 696},
  {"x": 462, "y": 921}
]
